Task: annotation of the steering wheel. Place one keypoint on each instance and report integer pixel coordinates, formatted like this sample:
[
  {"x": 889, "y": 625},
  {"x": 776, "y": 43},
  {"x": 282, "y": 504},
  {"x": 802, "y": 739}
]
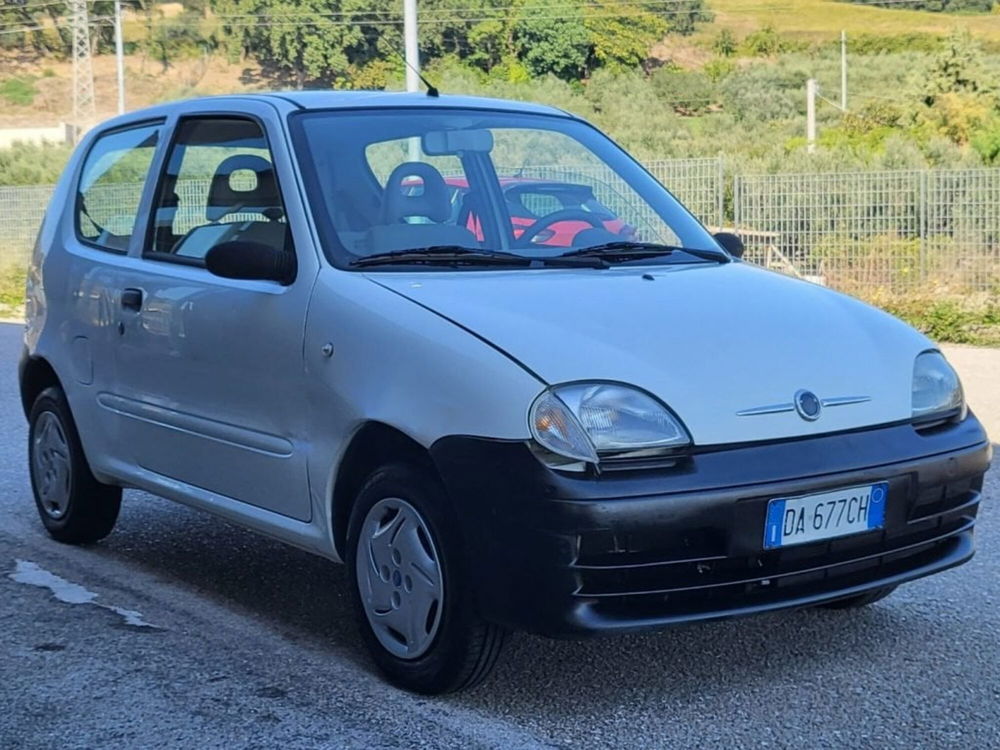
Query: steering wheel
[{"x": 566, "y": 214}]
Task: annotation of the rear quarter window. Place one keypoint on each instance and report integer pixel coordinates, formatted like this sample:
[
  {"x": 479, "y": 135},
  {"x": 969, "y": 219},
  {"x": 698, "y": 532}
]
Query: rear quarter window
[{"x": 110, "y": 187}]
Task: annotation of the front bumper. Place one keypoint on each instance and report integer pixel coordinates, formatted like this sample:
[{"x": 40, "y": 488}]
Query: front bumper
[{"x": 568, "y": 555}]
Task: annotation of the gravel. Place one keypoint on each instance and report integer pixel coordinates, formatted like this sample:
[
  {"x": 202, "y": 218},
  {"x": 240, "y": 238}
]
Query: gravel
[{"x": 252, "y": 645}]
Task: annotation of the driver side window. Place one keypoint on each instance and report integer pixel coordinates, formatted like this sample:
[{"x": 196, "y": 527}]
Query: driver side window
[{"x": 219, "y": 186}]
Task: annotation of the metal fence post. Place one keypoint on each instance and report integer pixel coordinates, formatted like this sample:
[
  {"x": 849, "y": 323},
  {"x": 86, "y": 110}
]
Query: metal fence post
[
  {"x": 720, "y": 190},
  {"x": 922, "y": 229},
  {"x": 737, "y": 199}
]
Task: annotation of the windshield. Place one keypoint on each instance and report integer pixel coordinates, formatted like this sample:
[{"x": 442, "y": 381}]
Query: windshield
[{"x": 433, "y": 183}]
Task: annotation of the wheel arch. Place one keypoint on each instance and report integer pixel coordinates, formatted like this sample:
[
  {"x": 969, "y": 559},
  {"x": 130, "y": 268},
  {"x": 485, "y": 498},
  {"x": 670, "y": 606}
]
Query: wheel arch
[
  {"x": 35, "y": 374},
  {"x": 374, "y": 444}
]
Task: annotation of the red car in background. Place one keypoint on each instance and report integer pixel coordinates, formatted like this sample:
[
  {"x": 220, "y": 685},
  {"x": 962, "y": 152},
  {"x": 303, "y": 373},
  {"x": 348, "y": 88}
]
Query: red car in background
[{"x": 531, "y": 200}]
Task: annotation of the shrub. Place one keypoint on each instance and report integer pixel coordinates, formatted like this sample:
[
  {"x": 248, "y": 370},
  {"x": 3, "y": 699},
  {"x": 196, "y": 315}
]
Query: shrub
[
  {"x": 956, "y": 319},
  {"x": 687, "y": 92},
  {"x": 987, "y": 141},
  {"x": 761, "y": 94},
  {"x": 876, "y": 44},
  {"x": 718, "y": 69},
  {"x": 725, "y": 44},
  {"x": 762, "y": 43},
  {"x": 31, "y": 164}
]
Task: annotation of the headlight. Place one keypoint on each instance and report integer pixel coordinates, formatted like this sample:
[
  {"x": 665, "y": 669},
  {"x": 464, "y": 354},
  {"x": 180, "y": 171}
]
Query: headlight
[
  {"x": 585, "y": 421},
  {"x": 937, "y": 391}
]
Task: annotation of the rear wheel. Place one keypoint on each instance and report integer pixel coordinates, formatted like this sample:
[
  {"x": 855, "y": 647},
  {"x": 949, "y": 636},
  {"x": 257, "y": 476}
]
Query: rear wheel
[
  {"x": 859, "y": 600},
  {"x": 411, "y": 594},
  {"x": 74, "y": 507}
]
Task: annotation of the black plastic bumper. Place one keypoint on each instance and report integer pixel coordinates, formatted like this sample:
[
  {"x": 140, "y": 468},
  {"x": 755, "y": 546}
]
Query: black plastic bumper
[{"x": 563, "y": 554}]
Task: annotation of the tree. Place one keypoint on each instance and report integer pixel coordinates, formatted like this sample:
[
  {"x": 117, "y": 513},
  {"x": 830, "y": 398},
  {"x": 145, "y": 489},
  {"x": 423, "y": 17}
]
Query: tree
[
  {"x": 553, "y": 43},
  {"x": 937, "y": 6},
  {"x": 956, "y": 69},
  {"x": 311, "y": 39},
  {"x": 621, "y": 33}
]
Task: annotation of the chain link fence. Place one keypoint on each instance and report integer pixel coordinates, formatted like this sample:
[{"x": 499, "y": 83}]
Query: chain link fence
[
  {"x": 700, "y": 184},
  {"x": 21, "y": 212},
  {"x": 865, "y": 231},
  {"x": 861, "y": 231}
]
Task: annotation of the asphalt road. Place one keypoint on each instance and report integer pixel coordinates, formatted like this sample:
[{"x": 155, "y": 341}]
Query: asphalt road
[{"x": 238, "y": 641}]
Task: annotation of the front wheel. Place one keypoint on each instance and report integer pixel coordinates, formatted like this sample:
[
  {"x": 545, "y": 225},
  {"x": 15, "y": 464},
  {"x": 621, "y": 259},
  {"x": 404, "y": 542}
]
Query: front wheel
[
  {"x": 411, "y": 594},
  {"x": 74, "y": 507}
]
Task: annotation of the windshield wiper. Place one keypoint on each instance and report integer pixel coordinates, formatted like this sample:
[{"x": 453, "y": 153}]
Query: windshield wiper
[
  {"x": 625, "y": 250},
  {"x": 443, "y": 254},
  {"x": 456, "y": 254}
]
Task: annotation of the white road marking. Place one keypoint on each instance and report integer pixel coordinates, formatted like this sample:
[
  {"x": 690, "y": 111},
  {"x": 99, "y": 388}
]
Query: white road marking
[{"x": 33, "y": 574}]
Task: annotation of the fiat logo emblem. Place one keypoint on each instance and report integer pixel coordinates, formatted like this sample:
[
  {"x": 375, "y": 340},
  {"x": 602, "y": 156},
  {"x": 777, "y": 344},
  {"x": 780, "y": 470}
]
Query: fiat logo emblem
[{"x": 808, "y": 405}]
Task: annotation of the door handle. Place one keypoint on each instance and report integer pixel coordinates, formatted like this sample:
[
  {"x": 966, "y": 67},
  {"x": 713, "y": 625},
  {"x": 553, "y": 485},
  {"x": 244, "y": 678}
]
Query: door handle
[{"x": 132, "y": 299}]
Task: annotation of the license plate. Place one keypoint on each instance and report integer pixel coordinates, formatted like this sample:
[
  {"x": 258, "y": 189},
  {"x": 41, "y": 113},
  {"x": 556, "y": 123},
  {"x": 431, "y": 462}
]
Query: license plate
[{"x": 825, "y": 515}]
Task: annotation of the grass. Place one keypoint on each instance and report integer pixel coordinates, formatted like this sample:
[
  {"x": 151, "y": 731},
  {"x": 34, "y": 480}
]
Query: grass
[
  {"x": 18, "y": 90},
  {"x": 822, "y": 20},
  {"x": 971, "y": 319},
  {"x": 12, "y": 281}
]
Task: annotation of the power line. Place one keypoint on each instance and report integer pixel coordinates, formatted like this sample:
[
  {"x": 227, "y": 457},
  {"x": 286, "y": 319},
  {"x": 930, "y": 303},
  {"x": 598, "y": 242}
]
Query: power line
[{"x": 444, "y": 16}]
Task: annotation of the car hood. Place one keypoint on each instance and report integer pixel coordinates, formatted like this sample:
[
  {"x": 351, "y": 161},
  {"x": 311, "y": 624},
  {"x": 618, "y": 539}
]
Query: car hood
[{"x": 709, "y": 340}]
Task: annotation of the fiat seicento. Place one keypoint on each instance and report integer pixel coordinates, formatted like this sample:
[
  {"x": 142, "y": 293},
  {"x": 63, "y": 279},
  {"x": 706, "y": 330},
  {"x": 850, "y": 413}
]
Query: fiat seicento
[{"x": 503, "y": 408}]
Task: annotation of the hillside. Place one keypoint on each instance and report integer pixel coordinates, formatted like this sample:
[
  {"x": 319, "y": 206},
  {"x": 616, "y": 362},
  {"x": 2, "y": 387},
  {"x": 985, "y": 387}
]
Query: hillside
[
  {"x": 42, "y": 94},
  {"x": 820, "y": 20}
]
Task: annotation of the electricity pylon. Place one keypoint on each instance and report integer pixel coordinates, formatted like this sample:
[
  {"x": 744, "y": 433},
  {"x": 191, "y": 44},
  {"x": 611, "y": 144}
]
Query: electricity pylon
[{"x": 83, "y": 73}]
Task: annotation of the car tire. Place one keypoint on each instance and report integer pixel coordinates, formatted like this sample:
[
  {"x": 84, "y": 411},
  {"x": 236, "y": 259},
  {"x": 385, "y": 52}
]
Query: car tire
[
  {"x": 859, "y": 600},
  {"x": 74, "y": 507},
  {"x": 412, "y": 597}
]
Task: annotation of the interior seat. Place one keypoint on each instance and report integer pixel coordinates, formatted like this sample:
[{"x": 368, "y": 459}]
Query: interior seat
[
  {"x": 261, "y": 198},
  {"x": 428, "y": 200},
  {"x": 234, "y": 213}
]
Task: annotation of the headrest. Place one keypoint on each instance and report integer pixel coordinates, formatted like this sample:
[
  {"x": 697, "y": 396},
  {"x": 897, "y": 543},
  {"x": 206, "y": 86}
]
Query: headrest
[
  {"x": 243, "y": 183},
  {"x": 405, "y": 196}
]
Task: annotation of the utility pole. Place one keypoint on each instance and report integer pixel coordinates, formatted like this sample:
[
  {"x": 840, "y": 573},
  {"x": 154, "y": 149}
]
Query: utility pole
[
  {"x": 811, "y": 115},
  {"x": 843, "y": 71},
  {"x": 119, "y": 56},
  {"x": 411, "y": 47},
  {"x": 83, "y": 73}
]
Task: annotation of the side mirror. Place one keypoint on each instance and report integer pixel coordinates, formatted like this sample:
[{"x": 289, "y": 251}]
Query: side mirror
[
  {"x": 251, "y": 260},
  {"x": 731, "y": 243}
]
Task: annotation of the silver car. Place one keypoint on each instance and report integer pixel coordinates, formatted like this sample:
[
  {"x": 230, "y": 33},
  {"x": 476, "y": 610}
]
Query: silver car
[{"x": 268, "y": 307}]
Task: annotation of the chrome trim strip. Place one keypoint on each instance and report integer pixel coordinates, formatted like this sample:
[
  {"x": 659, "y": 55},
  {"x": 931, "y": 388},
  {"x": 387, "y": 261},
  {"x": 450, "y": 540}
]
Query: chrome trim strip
[
  {"x": 781, "y": 408},
  {"x": 845, "y": 400},
  {"x": 772, "y": 409}
]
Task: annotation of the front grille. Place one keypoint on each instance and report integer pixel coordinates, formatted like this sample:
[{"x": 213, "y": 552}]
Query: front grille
[{"x": 697, "y": 572}]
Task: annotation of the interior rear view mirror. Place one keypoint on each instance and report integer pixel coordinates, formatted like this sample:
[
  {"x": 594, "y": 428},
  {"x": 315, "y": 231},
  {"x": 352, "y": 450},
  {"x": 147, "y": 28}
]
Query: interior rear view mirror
[{"x": 451, "y": 142}]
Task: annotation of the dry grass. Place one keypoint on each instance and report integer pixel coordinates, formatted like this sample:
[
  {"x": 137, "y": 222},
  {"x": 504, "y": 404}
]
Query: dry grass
[
  {"x": 822, "y": 20},
  {"x": 146, "y": 83}
]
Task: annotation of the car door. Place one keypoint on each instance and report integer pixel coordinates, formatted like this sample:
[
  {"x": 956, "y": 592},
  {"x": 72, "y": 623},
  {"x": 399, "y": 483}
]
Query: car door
[
  {"x": 211, "y": 386},
  {"x": 100, "y": 206}
]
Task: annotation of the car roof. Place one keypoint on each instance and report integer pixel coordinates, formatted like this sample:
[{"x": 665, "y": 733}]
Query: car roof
[
  {"x": 376, "y": 99},
  {"x": 326, "y": 100}
]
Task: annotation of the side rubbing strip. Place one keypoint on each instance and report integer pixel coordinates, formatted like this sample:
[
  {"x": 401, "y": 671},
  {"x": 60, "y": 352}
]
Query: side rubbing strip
[{"x": 221, "y": 432}]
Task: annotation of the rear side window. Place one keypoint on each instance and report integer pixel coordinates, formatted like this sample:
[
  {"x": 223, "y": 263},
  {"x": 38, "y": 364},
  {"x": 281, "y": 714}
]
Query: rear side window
[
  {"x": 219, "y": 187},
  {"x": 111, "y": 183}
]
